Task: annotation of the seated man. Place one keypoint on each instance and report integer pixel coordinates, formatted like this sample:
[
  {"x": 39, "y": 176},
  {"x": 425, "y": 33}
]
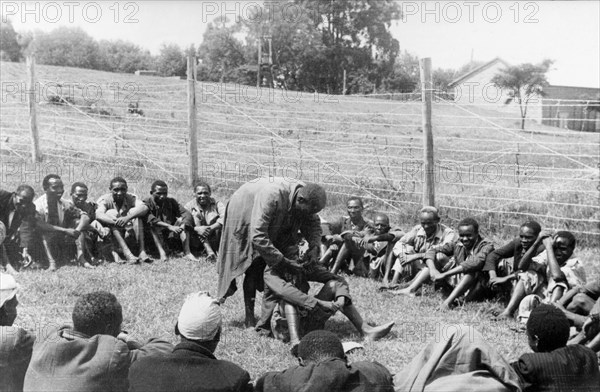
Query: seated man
[
  {"x": 351, "y": 231},
  {"x": 15, "y": 343},
  {"x": 62, "y": 224},
  {"x": 93, "y": 355},
  {"x": 590, "y": 330},
  {"x": 466, "y": 361},
  {"x": 94, "y": 232},
  {"x": 208, "y": 217},
  {"x": 578, "y": 302},
  {"x": 468, "y": 257},
  {"x": 554, "y": 365},
  {"x": 323, "y": 366},
  {"x": 170, "y": 223},
  {"x": 191, "y": 366},
  {"x": 501, "y": 272},
  {"x": 120, "y": 211},
  {"x": 409, "y": 251},
  {"x": 548, "y": 275},
  {"x": 379, "y": 245},
  {"x": 298, "y": 313},
  {"x": 17, "y": 214}
]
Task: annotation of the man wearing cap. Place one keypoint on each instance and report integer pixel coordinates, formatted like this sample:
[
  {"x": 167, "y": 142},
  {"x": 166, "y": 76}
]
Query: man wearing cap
[
  {"x": 15, "y": 343},
  {"x": 94, "y": 355},
  {"x": 263, "y": 219},
  {"x": 191, "y": 366},
  {"x": 17, "y": 214},
  {"x": 323, "y": 366}
]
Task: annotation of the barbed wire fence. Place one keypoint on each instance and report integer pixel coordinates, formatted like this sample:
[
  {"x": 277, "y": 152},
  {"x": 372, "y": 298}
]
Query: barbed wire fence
[{"x": 369, "y": 145}]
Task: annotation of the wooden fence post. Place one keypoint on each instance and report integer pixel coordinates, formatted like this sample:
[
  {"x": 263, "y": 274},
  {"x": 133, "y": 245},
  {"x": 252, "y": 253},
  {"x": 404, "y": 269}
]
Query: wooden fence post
[
  {"x": 33, "y": 126},
  {"x": 426, "y": 94},
  {"x": 191, "y": 90}
]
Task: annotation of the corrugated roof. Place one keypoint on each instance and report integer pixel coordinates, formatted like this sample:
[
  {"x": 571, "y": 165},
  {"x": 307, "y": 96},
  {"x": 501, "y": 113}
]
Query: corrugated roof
[{"x": 477, "y": 70}]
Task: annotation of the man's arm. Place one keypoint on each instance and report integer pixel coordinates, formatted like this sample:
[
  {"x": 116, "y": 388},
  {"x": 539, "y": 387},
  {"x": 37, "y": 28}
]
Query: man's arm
[{"x": 528, "y": 256}]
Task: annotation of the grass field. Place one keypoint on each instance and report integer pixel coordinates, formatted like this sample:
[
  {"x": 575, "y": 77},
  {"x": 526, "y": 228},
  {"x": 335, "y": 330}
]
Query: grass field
[{"x": 352, "y": 145}]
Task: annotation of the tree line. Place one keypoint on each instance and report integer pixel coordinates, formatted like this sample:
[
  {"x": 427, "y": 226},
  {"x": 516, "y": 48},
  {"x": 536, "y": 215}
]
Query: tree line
[{"x": 331, "y": 47}]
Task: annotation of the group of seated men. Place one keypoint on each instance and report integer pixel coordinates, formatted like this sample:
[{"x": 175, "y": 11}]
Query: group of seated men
[
  {"x": 95, "y": 354},
  {"x": 118, "y": 225}
]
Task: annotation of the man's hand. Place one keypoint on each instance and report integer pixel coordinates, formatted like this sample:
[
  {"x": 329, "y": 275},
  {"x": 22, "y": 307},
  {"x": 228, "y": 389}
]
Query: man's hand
[
  {"x": 122, "y": 221},
  {"x": 548, "y": 242},
  {"x": 203, "y": 231},
  {"x": 72, "y": 233},
  {"x": 27, "y": 259},
  {"x": 175, "y": 229},
  {"x": 359, "y": 241},
  {"x": 293, "y": 265},
  {"x": 591, "y": 326},
  {"x": 328, "y": 306},
  {"x": 435, "y": 275},
  {"x": 495, "y": 282},
  {"x": 544, "y": 234}
]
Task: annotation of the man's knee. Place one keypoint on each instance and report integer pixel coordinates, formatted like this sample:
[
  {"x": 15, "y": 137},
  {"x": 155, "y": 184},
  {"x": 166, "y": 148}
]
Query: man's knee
[
  {"x": 581, "y": 304},
  {"x": 441, "y": 258}
]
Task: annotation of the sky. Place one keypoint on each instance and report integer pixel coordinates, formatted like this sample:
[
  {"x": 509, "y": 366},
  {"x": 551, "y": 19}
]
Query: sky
[{"x": 450, "y": 32}]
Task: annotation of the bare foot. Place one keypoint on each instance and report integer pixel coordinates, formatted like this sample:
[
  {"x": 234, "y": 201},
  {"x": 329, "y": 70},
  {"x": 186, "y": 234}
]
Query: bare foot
[
  {"x": 10, "y": 269},
  {"x": 211, "y": 258},
  {"x": 502, "y": 316},
  {"x": 144, "y": 257},
  {"x": 52, "y": 266},
  {"x": 405, "y": 292},
  {"x": 444, "y": 307},
  {"x": 250, "y": 321},
  {"x": 189, "y": 256},
  {"x": 377, "y": 332}
]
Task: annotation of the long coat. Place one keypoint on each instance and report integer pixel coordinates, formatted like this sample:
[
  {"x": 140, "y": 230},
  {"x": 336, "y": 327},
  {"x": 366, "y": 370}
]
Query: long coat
[{"x": 259, "y": 221}]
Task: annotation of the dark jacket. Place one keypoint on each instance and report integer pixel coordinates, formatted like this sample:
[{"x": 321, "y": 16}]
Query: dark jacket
[
  {"x": 331, "y": 375},
  {"x": 168, "y": 213},
  {"x": 512, "y": 249},
  {"x": 570, "y": 368},
  {"x": 22, "y": 226},
  {"x": 190, "y": 367},
  {"x": 471, "y": 262}
]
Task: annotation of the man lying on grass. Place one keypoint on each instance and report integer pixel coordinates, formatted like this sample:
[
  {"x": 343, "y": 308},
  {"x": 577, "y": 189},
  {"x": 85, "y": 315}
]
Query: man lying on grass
[
  {"x": 467, "y": 257},
  {"x": 549, "y": 275},
  {"x": 323, "y": 366},
  {"x": 170, "y": 224}
]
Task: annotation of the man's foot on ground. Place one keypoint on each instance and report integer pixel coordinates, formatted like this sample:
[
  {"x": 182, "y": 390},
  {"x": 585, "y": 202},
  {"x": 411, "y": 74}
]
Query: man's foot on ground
[
  {"x": 133, "y": 260},
  {"x": 9, "y": 269},
  {"x": 389, "y": 287},
  {"x": 250, "y": 321},
  {"x": 144, "y": 257},
  {"x": 444, "y": 308},
  {"x": 190, "y": 257},
  {"x": 406, "y": 292},
  {"x": 502, "y": 317},
  {"x": 86, "y": 264},
  {"x": 52, "y": 266},
  {"x": 377, "y": 332},
  {"x": 211, "y": 258}
]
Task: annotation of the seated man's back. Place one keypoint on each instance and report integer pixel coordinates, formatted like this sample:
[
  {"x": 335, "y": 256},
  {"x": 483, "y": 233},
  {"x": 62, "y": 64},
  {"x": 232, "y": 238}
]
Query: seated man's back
[{"x": 94, "y": 355}]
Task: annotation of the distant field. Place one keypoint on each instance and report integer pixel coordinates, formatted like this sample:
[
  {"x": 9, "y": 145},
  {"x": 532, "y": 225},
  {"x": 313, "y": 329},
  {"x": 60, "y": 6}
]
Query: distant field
[
  {"x": 352, "y": 145},
  {"x": 373, "y": 147}
]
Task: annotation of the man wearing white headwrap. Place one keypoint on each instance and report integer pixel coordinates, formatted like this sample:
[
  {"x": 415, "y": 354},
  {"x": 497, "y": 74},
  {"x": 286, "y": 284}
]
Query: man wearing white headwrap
[
  {"x": 15, "y": 343},
  {"x": 191, "y": 366}
]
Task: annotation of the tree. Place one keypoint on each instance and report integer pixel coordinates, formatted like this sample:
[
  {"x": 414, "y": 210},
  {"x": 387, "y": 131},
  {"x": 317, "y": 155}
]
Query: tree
[
  {"x": 171, "y": 61},
  {"x": 122, "y": 56},
  {"x": 66, "y": 46},
  {"x": 221, "y": 52},
  {"x": 522, "y": 83},
  {"x": 9, "y": 46},
  {"x": 406, "y": 74}
]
